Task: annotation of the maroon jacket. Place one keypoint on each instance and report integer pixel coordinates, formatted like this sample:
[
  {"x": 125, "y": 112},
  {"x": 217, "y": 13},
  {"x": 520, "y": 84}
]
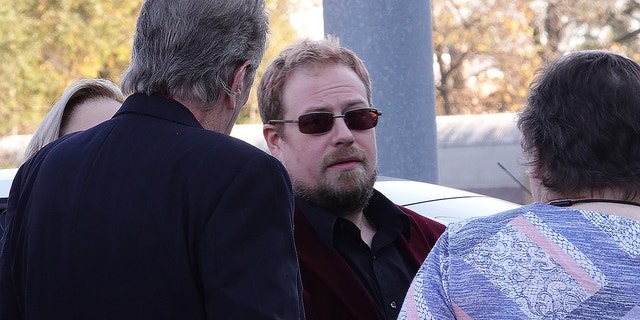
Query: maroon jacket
[{"x": 332, "y": 290}]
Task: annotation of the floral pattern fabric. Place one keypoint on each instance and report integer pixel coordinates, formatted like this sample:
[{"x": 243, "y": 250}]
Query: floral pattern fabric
[{"x": 535, "y": 262}]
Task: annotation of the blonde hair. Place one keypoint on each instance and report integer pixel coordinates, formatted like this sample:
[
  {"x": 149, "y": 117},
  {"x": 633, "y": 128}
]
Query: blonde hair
[
  {"x": 304, "y": 53},
  {"x": 75, "y": 94}
]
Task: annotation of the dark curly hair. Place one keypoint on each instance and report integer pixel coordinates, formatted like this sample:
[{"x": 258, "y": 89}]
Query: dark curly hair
[{"x": 581, "y": 124}]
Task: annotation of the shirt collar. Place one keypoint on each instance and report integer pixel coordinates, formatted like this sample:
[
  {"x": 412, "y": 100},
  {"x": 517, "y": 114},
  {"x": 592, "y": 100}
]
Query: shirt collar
[{"x": 383, "y": 213}]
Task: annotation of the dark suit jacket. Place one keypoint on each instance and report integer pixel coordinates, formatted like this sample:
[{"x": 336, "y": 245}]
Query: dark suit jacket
[
  {"x": 332, "y": 290},
  {"x": 149, "y": 216}
]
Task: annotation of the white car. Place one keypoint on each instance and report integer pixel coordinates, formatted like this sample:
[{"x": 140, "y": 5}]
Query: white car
[
  {"x": 6, "y": 177},
  {"x": 440, "y": 203}
]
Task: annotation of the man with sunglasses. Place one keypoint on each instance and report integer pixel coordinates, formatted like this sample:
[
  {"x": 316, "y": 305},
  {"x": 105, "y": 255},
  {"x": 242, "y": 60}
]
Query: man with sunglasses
[{"x": 358, "y": 251}]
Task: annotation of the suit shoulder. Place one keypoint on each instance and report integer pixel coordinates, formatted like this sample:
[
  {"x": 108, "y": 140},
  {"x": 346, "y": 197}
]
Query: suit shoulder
[{"x": 215, "y": 144}]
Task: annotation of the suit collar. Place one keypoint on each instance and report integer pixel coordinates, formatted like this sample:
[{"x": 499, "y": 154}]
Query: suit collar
[{"x": 160, "y": 107}]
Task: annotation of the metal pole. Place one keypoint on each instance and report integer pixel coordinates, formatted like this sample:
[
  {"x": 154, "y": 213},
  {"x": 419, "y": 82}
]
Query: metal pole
[{"x": 394, "y": 39}]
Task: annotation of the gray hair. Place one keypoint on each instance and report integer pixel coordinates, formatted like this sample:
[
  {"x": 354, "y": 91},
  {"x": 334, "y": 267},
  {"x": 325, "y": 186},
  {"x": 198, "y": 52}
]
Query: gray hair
[
  {"x": 190, "y": 49},
  {"x": 75, "y": 94}
]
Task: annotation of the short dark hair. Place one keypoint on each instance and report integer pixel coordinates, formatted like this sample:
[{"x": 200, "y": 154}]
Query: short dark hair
[{"x": 581, "y": 124}]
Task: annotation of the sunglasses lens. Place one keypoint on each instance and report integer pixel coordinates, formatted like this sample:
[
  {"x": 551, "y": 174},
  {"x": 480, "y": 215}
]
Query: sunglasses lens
[
  {"x": 317, "y": 122},
  {"x": 361, "y": 119}
]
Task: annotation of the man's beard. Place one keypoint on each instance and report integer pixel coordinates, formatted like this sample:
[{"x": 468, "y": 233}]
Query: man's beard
[{"x": 344, "y": 195}]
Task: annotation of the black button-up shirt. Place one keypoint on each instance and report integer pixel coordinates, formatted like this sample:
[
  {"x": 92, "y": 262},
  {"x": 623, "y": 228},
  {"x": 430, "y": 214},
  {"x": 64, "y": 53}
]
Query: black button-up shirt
[{"x": 382, "y": 268}]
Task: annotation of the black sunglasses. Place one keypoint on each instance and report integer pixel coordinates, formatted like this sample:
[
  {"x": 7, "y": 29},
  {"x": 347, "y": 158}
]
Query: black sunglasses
[{"x": 321, "y": 122}]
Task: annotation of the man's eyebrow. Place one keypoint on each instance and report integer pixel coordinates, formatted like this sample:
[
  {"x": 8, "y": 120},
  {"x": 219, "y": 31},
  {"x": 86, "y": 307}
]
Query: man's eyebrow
[
  {"x": 318, "y": 108},
  {"x": 343, "y": 106},
  {"x": 356, "y": 102}
]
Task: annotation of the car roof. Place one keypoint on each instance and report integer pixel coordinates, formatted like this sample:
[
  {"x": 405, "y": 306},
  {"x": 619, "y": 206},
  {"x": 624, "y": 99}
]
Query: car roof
[
  {"x": 6, "y": 177},
  {"x": 404, "y": 192},
  {"x": 440, "y": 203}
]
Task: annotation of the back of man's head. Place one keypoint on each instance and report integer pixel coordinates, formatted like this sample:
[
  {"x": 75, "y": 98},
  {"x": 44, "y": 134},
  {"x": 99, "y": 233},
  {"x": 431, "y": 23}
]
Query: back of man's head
[{"x": 190, "y": 49}]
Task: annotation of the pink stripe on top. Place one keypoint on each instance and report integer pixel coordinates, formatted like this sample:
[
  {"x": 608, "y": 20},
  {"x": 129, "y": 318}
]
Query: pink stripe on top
[
  {"x": 557, "y": 254},
  {"x": 459, "y": 313},
  {"x": 410, "y": 304}
]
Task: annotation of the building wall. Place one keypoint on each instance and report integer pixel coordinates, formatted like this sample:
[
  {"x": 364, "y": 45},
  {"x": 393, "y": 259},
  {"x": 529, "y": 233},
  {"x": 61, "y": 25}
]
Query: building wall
[
  {"x": 477, "y": 169},
  {"x": 481, "y": 153}
]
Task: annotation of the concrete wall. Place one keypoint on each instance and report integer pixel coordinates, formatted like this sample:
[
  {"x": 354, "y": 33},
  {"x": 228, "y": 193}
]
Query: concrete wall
[{"x": 481, "y": 153}]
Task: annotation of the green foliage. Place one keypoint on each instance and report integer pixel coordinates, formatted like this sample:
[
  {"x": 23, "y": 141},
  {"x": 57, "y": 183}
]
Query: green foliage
[
  {"x": 281, "y": 35},
  {"x": 46, "y": 44}
]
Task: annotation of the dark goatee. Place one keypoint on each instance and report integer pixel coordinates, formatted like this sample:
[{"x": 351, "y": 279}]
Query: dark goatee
[{"x": 350, "y": 194}]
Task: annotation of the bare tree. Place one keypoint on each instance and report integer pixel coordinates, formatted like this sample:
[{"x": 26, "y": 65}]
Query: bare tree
[{"x": 486, "y": 52}]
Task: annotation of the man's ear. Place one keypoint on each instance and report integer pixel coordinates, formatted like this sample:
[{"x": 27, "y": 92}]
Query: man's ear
[
  {"x": 237, "y": 84},
  {"x": 273, "y": 139}
]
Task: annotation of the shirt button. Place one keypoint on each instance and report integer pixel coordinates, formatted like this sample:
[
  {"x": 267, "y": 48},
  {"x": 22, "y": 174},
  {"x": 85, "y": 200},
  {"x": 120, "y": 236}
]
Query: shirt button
[
  {"x": 375, "y": 257},
  {"x": 393, "y": 304}
]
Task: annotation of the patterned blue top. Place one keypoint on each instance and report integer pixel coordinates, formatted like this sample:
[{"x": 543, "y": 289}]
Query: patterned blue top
[{"x": 534, "y": 262}]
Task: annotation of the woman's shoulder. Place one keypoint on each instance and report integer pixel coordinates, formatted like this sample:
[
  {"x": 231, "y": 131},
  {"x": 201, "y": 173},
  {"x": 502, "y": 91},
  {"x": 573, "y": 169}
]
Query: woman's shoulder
[{"x": 472, "y": 232}]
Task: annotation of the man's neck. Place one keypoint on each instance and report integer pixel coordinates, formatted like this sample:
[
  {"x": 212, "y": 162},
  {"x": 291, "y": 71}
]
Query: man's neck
[{"x": 367, "y": 228}]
